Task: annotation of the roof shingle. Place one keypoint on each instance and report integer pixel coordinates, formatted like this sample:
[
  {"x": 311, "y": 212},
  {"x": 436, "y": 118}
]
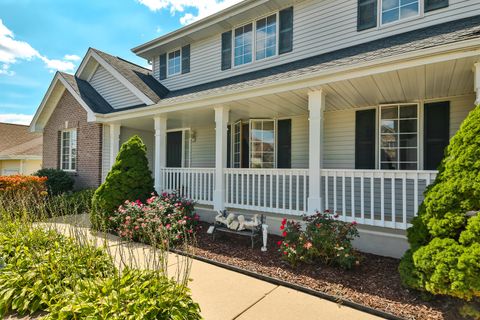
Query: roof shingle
[{"x": 17, "y": 140}]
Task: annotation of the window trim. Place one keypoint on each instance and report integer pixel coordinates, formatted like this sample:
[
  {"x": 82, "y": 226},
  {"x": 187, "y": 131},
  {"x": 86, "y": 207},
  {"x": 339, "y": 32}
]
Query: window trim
[
  {"x": 70, "y": 162},
  {"x": 168, "y": 63},
  {"x": 380, "y": 25},
  {"x": 419, "y": 133}
]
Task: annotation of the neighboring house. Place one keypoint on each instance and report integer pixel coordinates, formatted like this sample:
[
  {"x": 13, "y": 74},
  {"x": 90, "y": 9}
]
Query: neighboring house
[
  {"x": 283, "y": 107},
  {"x": 20, "y": 150}
]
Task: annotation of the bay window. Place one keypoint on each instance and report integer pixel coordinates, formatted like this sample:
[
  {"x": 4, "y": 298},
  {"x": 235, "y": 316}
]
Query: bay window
[
  {"x": 237, "y": 144},
  {"x": 262, "y": 143},
  {"x": 68, "y": 150}
]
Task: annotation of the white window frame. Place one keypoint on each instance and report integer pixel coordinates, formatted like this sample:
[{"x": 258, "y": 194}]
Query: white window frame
[
  {"x": 180, "y": 62},
  {"x": 186, "y": 156},
  {"x": 379, "y": 14},
  {"x": 250, "y": 149},
  {"x": 379, "y": 134},
  {"x": 70, "y": 162},
  {"x": 233, "y": 142},
  {"x": 254, "y": 39}
]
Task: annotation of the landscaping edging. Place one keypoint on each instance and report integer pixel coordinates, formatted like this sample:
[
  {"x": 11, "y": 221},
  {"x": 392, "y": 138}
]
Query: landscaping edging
[{"x": 293, "y": 286}]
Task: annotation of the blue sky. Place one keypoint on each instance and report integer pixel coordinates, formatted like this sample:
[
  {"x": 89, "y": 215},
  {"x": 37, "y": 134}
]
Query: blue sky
[{"x": 38, "y": 37}]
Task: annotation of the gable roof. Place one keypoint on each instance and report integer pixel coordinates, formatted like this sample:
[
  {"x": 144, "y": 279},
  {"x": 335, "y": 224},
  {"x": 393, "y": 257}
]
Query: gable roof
[
  {"x": 19, "y": 143},
  {"x": 141, "y": 78}
]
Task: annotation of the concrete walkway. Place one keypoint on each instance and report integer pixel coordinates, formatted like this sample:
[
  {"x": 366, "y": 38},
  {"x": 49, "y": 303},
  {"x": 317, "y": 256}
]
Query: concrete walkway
[{"x": 223, "y": 294}]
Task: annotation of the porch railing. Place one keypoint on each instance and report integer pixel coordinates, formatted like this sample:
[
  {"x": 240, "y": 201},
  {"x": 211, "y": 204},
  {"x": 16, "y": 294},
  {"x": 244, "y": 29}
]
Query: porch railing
[
  {"x": 375, "y": 197},
  {"x": 193, "y": 183},
  {"x": 269, "y": 190}
]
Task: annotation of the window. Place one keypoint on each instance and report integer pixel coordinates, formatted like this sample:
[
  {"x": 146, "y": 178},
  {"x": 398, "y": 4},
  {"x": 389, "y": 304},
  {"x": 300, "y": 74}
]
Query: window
[
  {"x": 394, "y": 10},
  {"x": 262, "y": 143},
  {"x": 399, "y": 137},
  {"x": 69, "y": 150},
  {"x": 266, "y": 37},
  {"x": 174, "y": 62},
  {"x": 243, "y": 45},
  {"x": 237, "y": 144}
]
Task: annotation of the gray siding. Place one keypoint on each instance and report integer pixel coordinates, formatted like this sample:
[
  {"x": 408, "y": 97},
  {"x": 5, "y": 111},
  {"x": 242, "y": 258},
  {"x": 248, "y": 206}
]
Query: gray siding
[
  {"x": 203, "y": 149},
  {"x": 300, "y": 142},
  {"x": 319, "y": 27},
  {"x": 112, "y": 90}
]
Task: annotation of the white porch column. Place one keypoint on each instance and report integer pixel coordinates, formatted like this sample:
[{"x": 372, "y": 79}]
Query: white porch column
[
  {"x": 221, "y": 122},
  {"x": 160, "y": 150},
  {"x": 316, "y": 107},
  {"x": 114, "y": 142},
  {"x": 476, "y": 77}
]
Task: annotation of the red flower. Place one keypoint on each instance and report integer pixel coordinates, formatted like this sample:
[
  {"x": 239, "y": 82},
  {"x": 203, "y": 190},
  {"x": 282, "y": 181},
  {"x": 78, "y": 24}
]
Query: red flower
[
  {"x": 354, "y": 223},
  {"x": 284, "y": 221},
  {"x": 279, "y": 243},
  {"x": 284, "y": 233},
  {"x": 282, "y": 227},
  {"x": 285, "y": 252}
]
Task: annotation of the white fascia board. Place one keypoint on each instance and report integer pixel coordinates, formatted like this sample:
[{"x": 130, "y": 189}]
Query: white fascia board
[
  {"x": 20, "y": 157},
  {"x": 33, "y": 123},
  {"x": 458, "y": 50}
]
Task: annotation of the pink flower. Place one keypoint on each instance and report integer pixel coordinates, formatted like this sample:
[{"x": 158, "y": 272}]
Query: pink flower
[
  {"x": 307, "y": 245},
  {"x": 354, "y": 223},
  {"x": 168, "y": 226},
  {"x": 137, "y": 227}
]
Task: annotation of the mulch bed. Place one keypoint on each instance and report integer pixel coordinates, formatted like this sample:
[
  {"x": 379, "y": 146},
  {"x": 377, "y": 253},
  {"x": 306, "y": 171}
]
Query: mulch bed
[{"x": 375, "y": 283}]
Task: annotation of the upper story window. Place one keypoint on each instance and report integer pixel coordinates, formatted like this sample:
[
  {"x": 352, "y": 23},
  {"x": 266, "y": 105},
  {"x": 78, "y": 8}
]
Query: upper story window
[
  {"x": 174, "y": 62},
  {"x": 395, "y": 10},
  {"x": 243, "y": 45},
  {"x": 68, "y": 150},
  {"x": 266, "y": 37}
]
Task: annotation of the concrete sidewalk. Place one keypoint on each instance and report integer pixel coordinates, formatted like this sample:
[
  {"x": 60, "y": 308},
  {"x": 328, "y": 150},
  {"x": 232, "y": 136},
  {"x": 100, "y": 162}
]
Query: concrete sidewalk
[{"x": 224, "y": 294}]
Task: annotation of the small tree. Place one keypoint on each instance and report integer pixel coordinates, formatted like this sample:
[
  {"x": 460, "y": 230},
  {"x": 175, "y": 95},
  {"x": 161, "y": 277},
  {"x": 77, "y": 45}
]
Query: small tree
[
  {"x": 444, "y": 254},
  {"x": 129, "y": 179}
]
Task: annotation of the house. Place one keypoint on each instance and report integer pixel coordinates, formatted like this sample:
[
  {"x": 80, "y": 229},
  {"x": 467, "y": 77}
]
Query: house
[
  {"x": 283, "y": 107},
  {"x": 20, "y": 150}
]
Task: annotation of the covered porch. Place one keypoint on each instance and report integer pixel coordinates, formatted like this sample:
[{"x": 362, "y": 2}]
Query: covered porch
[{"x": 364, "y": 147}]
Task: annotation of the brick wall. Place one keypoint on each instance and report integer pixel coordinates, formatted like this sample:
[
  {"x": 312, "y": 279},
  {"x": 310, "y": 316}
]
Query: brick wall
[{"x": 67, "y": 115}]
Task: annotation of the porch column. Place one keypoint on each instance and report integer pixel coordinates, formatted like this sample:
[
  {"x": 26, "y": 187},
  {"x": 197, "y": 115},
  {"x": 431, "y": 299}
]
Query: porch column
[
  {"x": 221, "y": 122},
  {"x": 476, "y": 77},
  {"x": 316, "y": 107},
  {"x": 160, "y": 150},
  {"x": 114, "y": 142}
]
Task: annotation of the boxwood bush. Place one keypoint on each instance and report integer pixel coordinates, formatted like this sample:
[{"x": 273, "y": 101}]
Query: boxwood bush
[
  {"x": 129, "y": 179},
  {"x": 58, "y": 181},
  {"x": 444, "y": 254}
]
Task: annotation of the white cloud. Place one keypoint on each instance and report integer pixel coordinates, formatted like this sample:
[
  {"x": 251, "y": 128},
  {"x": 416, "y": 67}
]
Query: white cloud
[
  {"x": 71, "y": 57},
  {"x": 16, "y": 118},
  {"x": 204, "y": 7},
  {"x": 5, "y": 70},
  {"x": 12, "y": 50}
]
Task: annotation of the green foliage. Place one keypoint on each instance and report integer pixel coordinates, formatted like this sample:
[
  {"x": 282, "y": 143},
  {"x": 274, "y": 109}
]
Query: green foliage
[
  {"x": 444, "y": 255},
  {"x": 134, "y": 295},
  {"x": 325, "y": 240},
  {"x": 58, "y": 181},
  {"x": 129, "y": 179},
  {"x": 72, "y": 203},
  {"x": 41, "y": 265}
]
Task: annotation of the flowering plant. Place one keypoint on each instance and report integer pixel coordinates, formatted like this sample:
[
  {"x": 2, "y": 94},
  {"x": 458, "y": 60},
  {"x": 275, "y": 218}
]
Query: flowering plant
[
  {"x": 24, "y": 185},
  {"x": 325, "y": 239},
  {"x": 163, "y": 220}
]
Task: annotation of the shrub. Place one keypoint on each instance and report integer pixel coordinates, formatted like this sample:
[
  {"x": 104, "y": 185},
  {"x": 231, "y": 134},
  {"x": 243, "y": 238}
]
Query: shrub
[
  {"x": 129, "y": 179},
  {"x": 325, "y": 240},
  {"x": 19, "y": 193},
  {"x": 165, "y": 217},
  {"x": 72, "y": 203},
  {"x": 22, "y": 186},
  {"x": 58, "y": 181},
  {"x": 134, "y": 295},
  {"x": 444, "y": 254}
]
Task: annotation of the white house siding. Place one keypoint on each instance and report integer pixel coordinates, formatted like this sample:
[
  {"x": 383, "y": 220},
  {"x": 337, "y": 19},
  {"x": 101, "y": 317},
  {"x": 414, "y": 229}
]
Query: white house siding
[
  {"x": 459, "y": 109},
  {"x": 112, "y": 90},
  {"x": 319, "y": 27},
  {"x": 148, "y": 139}
]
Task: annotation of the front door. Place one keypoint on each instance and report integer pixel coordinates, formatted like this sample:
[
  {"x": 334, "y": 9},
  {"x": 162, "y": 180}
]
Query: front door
[{"x": 174, "y": 149}]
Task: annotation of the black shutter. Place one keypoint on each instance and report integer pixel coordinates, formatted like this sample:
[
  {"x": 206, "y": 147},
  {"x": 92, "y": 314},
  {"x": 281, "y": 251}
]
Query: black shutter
[
  {"x": 186, "y": 59},
  {"x": 431, "y": 5},
  {"x": 365, "y": 139},
  {"x": 366, "y": 14},
  {"x": 174, "y": 149},
  {"x": 284, "y": 144},
  {"x": 163, "y": 66},
  {"x": 226, "y": 50},
  {"x": 229, "y": 146},
  {"x": 286, "y": 31},
  {"x": 436, "y": 133}
]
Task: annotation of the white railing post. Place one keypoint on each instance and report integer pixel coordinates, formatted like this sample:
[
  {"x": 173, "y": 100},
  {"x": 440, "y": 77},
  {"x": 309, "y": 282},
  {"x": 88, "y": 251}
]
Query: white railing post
[
  {"x": 114, "y": 142},
  {"x": 160, "y": 156},
  {"x": 476, "y": 77},
  {"x": 316, "y": 108},
  {"x": 221, "y": 122}
]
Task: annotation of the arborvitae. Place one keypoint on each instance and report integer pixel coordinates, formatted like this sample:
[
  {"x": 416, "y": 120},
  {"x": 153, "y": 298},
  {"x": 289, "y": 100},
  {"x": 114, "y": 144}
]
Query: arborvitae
[
  {"x": 129, "y": 179},
  {"x": 444, "y": 254}
]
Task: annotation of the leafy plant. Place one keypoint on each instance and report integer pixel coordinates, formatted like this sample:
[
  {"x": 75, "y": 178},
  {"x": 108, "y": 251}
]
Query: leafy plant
[
  {"x": 129, "y": 179},
  {"x": 58, "y": 181},
  {"x": 444, "y": 254},
  {"x": 134, "y": 294},
  {"x": 325, "y": 239}
]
